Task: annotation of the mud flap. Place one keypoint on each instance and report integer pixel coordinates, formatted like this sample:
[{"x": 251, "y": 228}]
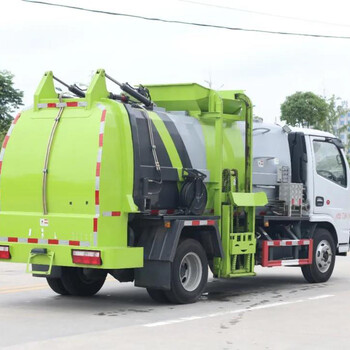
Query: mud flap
[
  {"x": 154, "y": 274},
  {"x": 160, "y": 244}
]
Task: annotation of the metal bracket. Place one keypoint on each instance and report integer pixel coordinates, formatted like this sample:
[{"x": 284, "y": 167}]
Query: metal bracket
[{"x": 266, "y": 245}]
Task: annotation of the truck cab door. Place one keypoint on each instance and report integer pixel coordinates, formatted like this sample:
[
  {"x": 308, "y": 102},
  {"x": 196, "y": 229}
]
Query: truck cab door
[{"x": 331, "y": 186}]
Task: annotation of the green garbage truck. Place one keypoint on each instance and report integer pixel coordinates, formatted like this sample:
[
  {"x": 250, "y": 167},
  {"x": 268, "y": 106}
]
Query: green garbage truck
[{"x": 159, "y": 182}]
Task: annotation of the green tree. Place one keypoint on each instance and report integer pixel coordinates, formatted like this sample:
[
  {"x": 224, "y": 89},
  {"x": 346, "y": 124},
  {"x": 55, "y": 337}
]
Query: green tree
[
  {"x": 336, "y": 108},
  {"x": 305, "y": 109},
  {"x": 10, "y": 100}
]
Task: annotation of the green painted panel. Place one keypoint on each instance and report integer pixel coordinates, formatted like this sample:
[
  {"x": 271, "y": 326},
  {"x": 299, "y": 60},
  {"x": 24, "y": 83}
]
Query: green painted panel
[
  {"x": 72, "y": 180},
  {"x": 248, "y": 199}
]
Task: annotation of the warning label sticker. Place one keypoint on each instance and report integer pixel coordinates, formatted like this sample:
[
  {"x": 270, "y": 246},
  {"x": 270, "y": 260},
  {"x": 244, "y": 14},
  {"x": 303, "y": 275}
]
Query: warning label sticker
[
  {"x": 44, "y": 222},
  {"x": 260, "y": 163}
]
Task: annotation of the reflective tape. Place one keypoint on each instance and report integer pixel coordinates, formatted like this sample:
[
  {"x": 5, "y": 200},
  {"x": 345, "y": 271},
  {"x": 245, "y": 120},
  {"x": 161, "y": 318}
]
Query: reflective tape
[
  {"x": 292, "y": 242},
  {"x": 199, "y": 222},
  {"x": 45, "y": 241},
  {"x": 111, "y": 213},
  {"x": 62, "y": 104},
  {"x": 95, "y": 223},
  {"x": 98, "y": 173}
]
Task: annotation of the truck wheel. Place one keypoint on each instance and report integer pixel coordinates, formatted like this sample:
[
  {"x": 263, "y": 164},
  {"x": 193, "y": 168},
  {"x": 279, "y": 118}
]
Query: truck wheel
[
  {"x": 76, "y": 282},
  {"x": 158, "y": 295},
  {"x": 189, "y": 273},
  {"x": 323, "y": 258},
  {"x": 57, "y": 286}
]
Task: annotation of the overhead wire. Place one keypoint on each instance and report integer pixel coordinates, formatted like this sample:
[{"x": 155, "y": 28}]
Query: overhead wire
[
  {"x": 196, "y": 24},
  {"x": 265, "y": 13}
]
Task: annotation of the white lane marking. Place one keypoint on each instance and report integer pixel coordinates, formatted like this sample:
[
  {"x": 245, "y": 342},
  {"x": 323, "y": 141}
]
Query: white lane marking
[
  {"x": 321, "y": 296},
  {"x": 238, "y": 311}
]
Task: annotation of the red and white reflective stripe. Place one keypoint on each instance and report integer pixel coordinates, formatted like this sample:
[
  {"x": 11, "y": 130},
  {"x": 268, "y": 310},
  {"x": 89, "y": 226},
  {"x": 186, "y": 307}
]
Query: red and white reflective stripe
[
  {"x": 98, "y": 162},
  {"x": 111, "y": 213},
  {"x": 285, "y": 243},
  {"x": 95, "y": 224},
  {"x": 199, "y": 223},
  {"x": 62, "y": 104},
  {"x": 45, "y": 241},
  {"x": 6, "y": 140},
  {"x": 292, "y": 262},
  {"x": 291, "y": 242},
  {"x": 162, "y": 211},
  {"x": 98, "y": 172}
]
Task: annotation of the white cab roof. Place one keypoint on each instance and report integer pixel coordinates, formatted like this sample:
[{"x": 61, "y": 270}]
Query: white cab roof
[{"x": 312, "y": 132}]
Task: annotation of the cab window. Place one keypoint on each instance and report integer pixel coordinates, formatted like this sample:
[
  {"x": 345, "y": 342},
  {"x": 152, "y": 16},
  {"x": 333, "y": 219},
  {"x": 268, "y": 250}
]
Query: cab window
[{"x": 330, "y": 162}]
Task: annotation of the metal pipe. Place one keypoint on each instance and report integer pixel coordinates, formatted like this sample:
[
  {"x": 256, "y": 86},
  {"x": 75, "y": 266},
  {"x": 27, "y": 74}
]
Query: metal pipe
[{"x": 47, "y": 158}]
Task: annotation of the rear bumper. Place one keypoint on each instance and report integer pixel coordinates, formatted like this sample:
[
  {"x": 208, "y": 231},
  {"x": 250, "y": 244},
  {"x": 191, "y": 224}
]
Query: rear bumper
[{"x": 112, "y": 258}]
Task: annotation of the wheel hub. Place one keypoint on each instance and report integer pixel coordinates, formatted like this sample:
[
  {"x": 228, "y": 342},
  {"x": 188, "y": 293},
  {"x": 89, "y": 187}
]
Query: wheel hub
[
  {"x": 323, "y": 256},
  {"x": 190, "y": 271}
]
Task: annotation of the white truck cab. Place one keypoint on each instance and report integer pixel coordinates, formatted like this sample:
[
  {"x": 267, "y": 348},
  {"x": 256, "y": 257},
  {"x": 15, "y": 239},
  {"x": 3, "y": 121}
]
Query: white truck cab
[
  {"x": 327, "y": 184},
  {"x": 306, "y": 177}
]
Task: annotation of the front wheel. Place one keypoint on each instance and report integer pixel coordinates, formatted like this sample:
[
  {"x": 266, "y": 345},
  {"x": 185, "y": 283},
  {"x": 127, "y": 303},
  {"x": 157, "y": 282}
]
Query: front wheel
[
  {"x": 323, "y": 258},
  {"x": 189, "y": 273}
]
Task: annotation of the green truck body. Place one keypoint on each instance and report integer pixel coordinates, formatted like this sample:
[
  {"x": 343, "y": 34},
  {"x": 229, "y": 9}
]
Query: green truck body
[{"x": 71, "y": 182}]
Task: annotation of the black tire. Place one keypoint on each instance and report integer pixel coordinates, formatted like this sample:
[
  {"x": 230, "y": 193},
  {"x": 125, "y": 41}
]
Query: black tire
[
  {"x": 323, "y": 258},
  {"x": 158, "y": 295},
  {"x": 78, "y": 284},
  {"x": 57, "y": 286},
  {"x": 189, "y": 273}
]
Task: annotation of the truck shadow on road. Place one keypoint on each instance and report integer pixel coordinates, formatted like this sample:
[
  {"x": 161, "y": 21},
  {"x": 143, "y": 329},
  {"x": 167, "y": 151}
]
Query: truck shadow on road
[
  {"x": 121, "y": 299},
  {"x": 275, "y": 286}
]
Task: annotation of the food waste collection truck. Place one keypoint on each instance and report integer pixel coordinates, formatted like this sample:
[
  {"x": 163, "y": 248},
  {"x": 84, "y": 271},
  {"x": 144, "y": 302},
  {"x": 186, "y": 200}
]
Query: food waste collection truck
[{"x": 158, "y": 183}]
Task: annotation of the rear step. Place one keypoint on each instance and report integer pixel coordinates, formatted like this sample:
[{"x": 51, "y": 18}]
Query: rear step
[
  {"x": 40, "y": 252},
  {"x": 266, "y": 245}
]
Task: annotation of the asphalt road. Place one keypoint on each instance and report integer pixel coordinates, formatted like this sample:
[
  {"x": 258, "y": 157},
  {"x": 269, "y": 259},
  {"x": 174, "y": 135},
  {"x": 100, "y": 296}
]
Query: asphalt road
[{"x": 275, "y": 310}]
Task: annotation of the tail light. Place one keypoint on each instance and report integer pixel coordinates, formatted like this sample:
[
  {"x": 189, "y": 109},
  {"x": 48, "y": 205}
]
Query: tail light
[
  {"x": 87, "y": 257},
  {"x": 5, "y": 252}
]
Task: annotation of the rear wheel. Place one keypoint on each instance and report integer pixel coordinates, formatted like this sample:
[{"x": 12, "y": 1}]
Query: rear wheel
[
  {"x": 57, "y": 286},
  {"x": 78, "y": 283},
  {"x": 189, "y": 273},
  {"x": 323, "y": 258}
]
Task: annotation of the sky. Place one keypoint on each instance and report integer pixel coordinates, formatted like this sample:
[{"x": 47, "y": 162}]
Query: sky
[{"x": 73, "y": 44}]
